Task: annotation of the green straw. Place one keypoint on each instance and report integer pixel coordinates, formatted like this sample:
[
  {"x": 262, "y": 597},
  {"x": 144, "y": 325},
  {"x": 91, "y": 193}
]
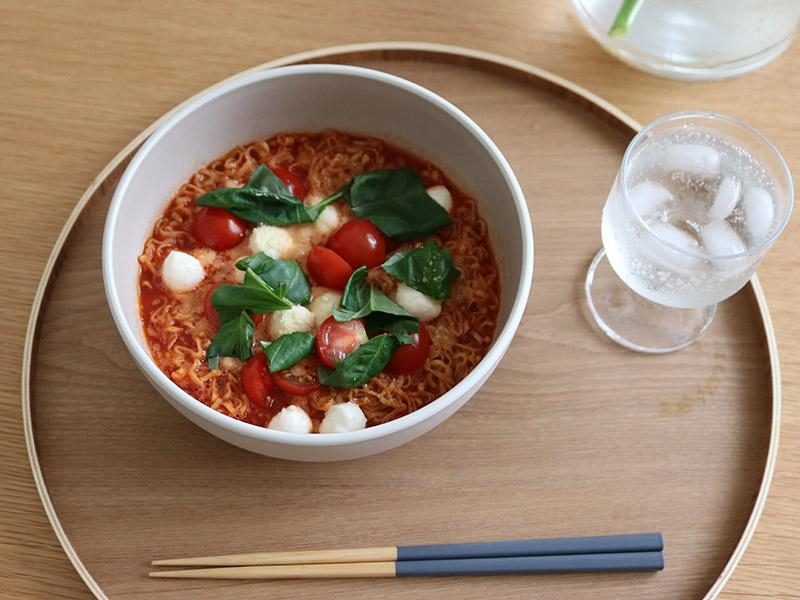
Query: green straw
[{"x": 625, "y": 16}]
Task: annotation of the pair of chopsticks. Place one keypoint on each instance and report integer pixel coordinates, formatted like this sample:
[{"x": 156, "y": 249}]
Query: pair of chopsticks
[{"x": 634, "y": 552}]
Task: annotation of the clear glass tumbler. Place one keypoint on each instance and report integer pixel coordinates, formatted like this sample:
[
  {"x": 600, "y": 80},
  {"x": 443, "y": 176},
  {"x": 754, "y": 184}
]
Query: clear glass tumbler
[
  {"x": 695, "y": 39},
  {"x": 696, "y": 204}
]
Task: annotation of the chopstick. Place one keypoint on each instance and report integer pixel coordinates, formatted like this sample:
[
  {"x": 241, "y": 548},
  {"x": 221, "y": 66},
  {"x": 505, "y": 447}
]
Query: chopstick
[
  {"x": 600, "y": 544},
  {"x": 639, "y": 552},
  {"x": 497, "y": 565}
]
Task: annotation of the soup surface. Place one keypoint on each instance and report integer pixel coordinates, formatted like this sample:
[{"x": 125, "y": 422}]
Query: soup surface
[{"x": 439, "y": 341}]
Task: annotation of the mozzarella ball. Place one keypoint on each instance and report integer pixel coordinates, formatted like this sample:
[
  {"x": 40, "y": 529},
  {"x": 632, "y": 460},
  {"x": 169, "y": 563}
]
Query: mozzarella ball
[
  {"x": 297, "y": 318},
  {"x": 275, "y": 242},
  {"x": 418, "y": 304},
  {"x": 182, "y": 272},
  {"x": 230, "y": 363},
  {"x": 303, "y": 237},
  {"x": 442, "y": 196},
  {"x": 323, "y": 304},
  {"x": 342, "y": 417},
  {"x": 292, "y": 419},
  {"x": 328, "y": 220}
]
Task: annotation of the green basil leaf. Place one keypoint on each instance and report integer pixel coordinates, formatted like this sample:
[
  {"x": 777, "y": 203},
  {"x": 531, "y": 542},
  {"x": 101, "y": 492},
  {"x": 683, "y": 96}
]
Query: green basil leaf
[
  {"x": 362, "y": 364},
  {"x": 396, "y": 202},
  {"x": 257, "y": 206},
  {"x": 277, "y": 272},
  {"x": 360, "y": 299},
  {"x": 234, "y": 338},
  {"x": 402, "y": 328},
  {"x": 288, "y": 350},
  {"x": 265, "y": 180},
  {"x": 381, "y": 303},
  {"x": 265, "y": 199},
  {"x": 254, "y": 296},
  {"x": 428, "y": 269},
  {"x": 355, "y": 295},
  {"x": 315, "y": 210}
]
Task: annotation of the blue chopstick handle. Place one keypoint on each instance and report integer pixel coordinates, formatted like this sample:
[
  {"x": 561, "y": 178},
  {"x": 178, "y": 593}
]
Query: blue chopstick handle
[
  {"x": 507, "y": 565},
  {"x": 638, "y": 542}
]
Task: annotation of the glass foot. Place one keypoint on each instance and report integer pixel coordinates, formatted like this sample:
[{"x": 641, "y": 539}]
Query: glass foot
[{"x": 635, "y": 322}]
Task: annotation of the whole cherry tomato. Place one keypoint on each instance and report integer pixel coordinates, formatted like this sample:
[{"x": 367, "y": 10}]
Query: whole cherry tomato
[
  {"x": 208, "y": 308},
  {"x": 409, "y": 358},
  {"x": 291, "y": 180},
  {"x": 359, "y": 242},
  {"x": 217, "y": 228}
]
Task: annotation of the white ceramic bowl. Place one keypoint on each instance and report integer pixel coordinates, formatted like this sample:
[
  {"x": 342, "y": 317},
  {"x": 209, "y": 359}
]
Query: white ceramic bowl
[{"x": 309, "y": 98}]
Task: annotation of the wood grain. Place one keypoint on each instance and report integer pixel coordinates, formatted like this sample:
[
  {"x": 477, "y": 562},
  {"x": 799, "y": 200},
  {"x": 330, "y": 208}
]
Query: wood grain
[
  {"x": 80, "y": 79},
  {"x": 633, "y": 425}
]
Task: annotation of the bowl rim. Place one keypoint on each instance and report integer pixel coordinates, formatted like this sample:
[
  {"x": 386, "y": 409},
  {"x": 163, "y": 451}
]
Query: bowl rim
[{"x": 200, "y": 410}]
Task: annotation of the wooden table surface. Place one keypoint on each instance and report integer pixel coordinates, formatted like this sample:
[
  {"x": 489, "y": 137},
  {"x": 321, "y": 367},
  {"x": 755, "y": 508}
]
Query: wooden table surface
[{"x": 80, "y": 79}]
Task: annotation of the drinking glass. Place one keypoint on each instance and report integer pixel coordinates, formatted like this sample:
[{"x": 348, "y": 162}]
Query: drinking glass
[
  {"x": 698, "y": 200},
  {"x": 695, "y": 39}
]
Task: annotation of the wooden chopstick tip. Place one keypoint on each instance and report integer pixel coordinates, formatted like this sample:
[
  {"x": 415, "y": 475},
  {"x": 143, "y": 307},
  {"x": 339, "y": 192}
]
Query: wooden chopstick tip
[{"x": 291, "y": 557}]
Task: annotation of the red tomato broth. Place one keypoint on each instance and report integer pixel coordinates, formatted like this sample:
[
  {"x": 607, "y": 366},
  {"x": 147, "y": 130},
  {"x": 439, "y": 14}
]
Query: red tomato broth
[{"x": 178, "y": 331}]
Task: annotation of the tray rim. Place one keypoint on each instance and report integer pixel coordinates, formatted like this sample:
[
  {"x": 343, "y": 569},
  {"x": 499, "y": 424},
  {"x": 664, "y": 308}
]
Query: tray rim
[{"x": 366, "y": 50}]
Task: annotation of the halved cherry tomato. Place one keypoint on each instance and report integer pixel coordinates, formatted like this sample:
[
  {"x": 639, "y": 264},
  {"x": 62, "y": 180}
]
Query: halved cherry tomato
[
  {"x": 256, "y": 380},
  {"x": 208, "y": 308},
  {"x": 409, "y": 358},
  {"x": 359, "y": 242},
  {"x": 336, "y": 340},
  {"x": 291, "y": 180},
  {"x": 217, "y": 228},
  {"x": 328, "y": 268},
  {"x": 299, "y": 379}
]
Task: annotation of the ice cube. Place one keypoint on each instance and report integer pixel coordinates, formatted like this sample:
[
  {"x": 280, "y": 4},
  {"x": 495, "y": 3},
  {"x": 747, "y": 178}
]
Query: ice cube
[
  {"x": 695, "y": 159},
  {"x": 726, "y": 198},
  {"x": 678, "y": 238},
  {"x": 759, "y": 213},
  {"x": 719, "y": 239},
  {"x": 647, "y": 197}
]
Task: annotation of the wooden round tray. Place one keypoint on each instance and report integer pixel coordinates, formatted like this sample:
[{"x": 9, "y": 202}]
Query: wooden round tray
[{"x": 572, "y": 435}]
